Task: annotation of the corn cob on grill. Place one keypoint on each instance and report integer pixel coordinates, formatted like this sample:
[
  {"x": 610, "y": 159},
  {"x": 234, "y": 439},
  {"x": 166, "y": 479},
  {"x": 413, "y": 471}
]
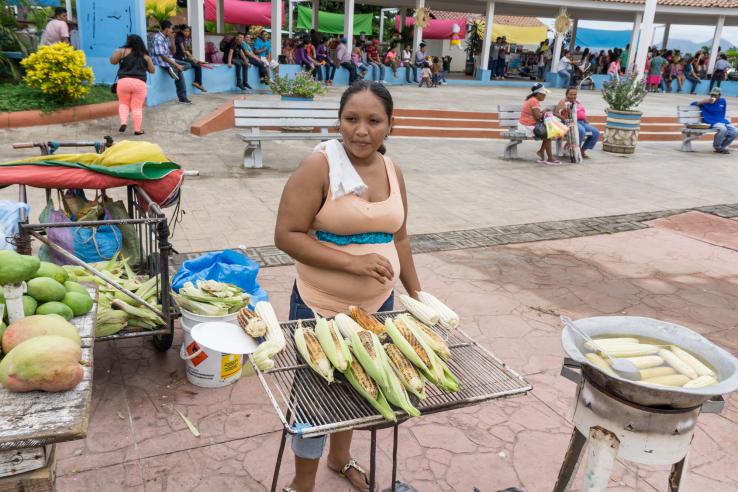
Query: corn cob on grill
[
  {"x": 251, "y": 323},
  {"x": 405, "y": 370},
  {"x": 364, "y": 380},
  {"x": 407, "y": 333},
  {"x": 311, "y": 351},
  {"x": 432, "y": 338},
  {"x": 366, "y": 320}
]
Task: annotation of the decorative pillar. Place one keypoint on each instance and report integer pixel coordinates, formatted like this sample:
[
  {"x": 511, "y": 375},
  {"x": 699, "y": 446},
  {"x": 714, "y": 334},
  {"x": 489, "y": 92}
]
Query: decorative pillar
[
  {"x": 290, "y": 20},
  {"x": 417, "y": 30},
  {"x": 634, "y": 41},
  {"x": 276, "y": 29},
  {"x": 219, "y": 16},
  {"x": 559, "y": 41},
  {"x": 197, "y": 21},
  {"x": 665, "y": 39},
  {"x": 646, "y": 36},
  {"x": 403, "y": 19},
  {"x": 716, "y": 43},
  {"x": 316, "y": 6},
  {"x": 573, "y": 38},
  {"x": 487, "y": 42},
  {"x": 348, "y": 24}
]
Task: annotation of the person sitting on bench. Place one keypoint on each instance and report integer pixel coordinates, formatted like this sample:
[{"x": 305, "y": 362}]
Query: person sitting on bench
[{"x": 713, "y": 113}]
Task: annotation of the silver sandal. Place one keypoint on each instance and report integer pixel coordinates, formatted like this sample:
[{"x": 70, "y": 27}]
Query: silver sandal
[{"x": 353, "y": 464}]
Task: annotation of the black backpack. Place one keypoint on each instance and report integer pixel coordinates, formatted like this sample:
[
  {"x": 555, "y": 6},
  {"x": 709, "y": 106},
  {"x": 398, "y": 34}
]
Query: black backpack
[{"x": 225, "y": 43}]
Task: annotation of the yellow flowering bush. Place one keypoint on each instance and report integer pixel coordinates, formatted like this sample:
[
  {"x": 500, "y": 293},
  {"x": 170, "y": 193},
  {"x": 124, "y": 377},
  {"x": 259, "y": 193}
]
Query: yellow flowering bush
[{"x": 59, "y": 71}]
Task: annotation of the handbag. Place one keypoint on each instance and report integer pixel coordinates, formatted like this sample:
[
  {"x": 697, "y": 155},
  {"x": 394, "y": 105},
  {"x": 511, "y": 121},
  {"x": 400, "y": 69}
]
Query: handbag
[
  {"x": 114, "y": 85},
  {"x": 540, "y": 131}
]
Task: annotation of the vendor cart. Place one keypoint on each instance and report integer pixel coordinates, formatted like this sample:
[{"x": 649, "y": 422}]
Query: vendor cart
[
  {"x": 308, "y": 406},
  {"x": 152, "y": 230}
]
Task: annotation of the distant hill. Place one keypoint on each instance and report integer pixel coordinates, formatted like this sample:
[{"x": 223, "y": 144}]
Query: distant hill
[{"x": 687, "y": 46}]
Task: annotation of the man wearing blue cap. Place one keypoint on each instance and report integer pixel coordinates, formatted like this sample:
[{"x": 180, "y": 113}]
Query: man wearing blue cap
[
  {"x": 343, "y": 57},
  {"x": 713, "y": 114}
]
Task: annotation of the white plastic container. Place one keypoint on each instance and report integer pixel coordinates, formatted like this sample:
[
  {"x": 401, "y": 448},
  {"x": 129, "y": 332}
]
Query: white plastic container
[{"x": 203, "y": 366}]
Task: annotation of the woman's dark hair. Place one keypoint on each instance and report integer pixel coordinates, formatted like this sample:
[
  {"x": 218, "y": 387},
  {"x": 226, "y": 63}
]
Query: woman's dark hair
[
  {"x": 570, "y": 88},
  {"x": 136, "y": 45},
  {"x": 165, "y": 24},
  {"x": 379, "y": 91}
]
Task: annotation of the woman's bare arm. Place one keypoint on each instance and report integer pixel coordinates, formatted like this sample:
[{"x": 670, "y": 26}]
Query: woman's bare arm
[
  {"x": 301, "y": 200},
  {"x": 149, "y": 63},
  {"x": 408, "y": 274},
  {"x": 117, "y": 55}
]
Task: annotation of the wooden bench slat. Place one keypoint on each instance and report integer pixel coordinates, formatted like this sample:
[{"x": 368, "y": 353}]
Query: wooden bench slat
[
  {"x": 274, "y": 103},
  {"x": 506, "y": 107},
  {"x": 689, "y": 121},
  {"x": 288, "y": 136},
  {"x": 286, "y": 122},
  {"x": 508, "y": 123},
  {"x": 286, "y": 113}
]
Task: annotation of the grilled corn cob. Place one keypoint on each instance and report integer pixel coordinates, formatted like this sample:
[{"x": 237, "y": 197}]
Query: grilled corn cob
[
  {"x": 692, "y": 361},
  {"x": 333, "y": 344},
  {"x": 369, "y": 352},
  {"x": 678, "y": 364},
  {"x": 251, "y": 323},
  {"x": 312, "y": 353},
  {"x": 446, "y": 316},
  {"x": 395, "y": 391},
  {"x": 433, "y": 339},
  {"x": 424, "y": 313},
  {"x": 701, "y": 382},
  {"x": 366, "y": 320},
  {"x": 362, "y": 383},
  {"x": 412, "y": 345},
  {"x": 346, "y": 325},
  {"x": 274, "y": 332},
  {"x": 405, "y": 371}
]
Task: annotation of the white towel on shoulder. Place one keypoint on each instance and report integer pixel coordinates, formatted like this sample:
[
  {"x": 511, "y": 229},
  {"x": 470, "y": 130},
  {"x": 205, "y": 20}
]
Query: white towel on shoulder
[{"x": 341, "y": 173}]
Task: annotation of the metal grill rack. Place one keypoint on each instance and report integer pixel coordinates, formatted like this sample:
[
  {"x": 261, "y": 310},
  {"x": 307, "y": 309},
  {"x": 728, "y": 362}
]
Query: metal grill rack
[{"x": 308, "y": 406}]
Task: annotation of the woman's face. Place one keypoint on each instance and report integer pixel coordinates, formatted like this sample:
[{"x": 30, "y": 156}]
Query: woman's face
[
  {"x": 540, "y": 96},
  {"x": 364, "y": 124},
  {"x": 186, "y": 32},
  {"x": 571, "y": 96}
]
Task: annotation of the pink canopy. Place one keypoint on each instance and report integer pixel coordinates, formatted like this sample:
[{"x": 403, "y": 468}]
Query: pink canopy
[
  {"x": 437, "y": 29},
  {"x": 247, "y": 13}
]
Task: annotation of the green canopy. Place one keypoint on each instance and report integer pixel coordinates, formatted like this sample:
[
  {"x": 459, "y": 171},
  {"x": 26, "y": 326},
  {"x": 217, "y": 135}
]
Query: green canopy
[{"x": 331, "y": 23}]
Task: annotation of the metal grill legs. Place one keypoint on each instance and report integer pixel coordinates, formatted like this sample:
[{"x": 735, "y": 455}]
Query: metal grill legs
[
  {"x": 278, "y": 465},
  {"x": 573, "y": 457}
]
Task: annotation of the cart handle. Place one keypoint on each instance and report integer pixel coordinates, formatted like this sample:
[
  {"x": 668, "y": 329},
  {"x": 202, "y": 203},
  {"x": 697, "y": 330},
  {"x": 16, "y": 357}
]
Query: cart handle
[{"x": 26, "y": 145}]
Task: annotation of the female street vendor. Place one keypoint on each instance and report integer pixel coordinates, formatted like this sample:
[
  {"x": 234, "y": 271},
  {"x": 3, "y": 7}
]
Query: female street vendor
[{"x": 342, "y": 218}]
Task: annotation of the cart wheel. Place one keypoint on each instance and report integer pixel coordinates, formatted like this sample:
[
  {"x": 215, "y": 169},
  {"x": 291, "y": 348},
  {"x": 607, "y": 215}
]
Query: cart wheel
[{"x": 163, "y": 342}]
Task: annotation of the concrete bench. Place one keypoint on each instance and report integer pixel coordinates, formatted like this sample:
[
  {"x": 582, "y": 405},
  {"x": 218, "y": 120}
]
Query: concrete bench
[
  {"x": 691, "y": 117},
  {"x": 508, "y": 117},
  {"x": 290, "y": 120}
]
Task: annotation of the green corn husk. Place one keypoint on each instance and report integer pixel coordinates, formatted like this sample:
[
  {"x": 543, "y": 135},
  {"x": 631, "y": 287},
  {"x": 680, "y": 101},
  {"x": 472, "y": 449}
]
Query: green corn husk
[
  {"x": 133, "y": 311},
  {"x": 374, "y": 366},
  {"x": 333, "y": 344},
  {"x": 227, "y": 294},
  {"x": 394, "y": 390},
  {"x": 407, "y": 349},
  {"x": 201, "y": 308},
  {"x": 141, "y": 323},
  {"x": 381, "y": 404},
  {"x": 107, "y": 329},
  {"x": 323, "y": 366}
]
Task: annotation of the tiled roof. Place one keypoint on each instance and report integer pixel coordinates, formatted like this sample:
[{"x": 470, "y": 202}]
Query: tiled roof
[
  {"x": 725, "y": 4},
  {"x": 508, "y": 20}
]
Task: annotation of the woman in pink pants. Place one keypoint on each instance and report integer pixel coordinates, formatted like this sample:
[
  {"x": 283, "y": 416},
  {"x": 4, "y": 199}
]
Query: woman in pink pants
[{"x": 133, "y": 62}]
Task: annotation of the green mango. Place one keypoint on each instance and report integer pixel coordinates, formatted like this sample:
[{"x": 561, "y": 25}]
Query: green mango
[
  {"x": 51, "y": 270},
  {"x": 73, "y": 286},
  {"x": 15, "y": 268},
  {"x": 80, "y": 304},
  {"x": 29, "y": 306},
  {"x": 45, "y": 289},
  {"x": 55, "y": 307},
  {"x": 47, "y": 363}
]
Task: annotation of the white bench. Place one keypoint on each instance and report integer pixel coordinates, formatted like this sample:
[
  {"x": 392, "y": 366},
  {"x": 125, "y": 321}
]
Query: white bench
[
  {"x": 508, "y": 117},
  {"x": 290, "y": 120},
  {"x": 691, "y": 118}
]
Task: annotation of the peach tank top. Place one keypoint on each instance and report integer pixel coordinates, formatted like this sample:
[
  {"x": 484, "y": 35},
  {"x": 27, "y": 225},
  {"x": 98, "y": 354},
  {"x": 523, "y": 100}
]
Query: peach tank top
[{"x": 330, "y": 291}]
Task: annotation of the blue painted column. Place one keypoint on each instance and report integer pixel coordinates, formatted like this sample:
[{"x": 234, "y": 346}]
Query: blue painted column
[{"x": 103, "y": 27}]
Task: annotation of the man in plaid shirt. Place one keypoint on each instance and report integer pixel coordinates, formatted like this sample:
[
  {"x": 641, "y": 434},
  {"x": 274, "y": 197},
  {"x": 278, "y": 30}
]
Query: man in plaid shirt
[{"x": 161, "y": 55}]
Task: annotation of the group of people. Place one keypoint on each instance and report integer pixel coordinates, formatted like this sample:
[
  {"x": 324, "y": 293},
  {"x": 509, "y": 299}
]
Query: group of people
[{"x": 242, "y": 51}]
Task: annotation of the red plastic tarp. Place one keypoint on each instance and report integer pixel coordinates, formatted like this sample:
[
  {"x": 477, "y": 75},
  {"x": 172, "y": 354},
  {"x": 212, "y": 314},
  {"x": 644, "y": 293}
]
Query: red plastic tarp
[
  {"x": 161, "y": 191},
  {"x": 246, "y": 13},
  {"x": 437, "y": 29}
]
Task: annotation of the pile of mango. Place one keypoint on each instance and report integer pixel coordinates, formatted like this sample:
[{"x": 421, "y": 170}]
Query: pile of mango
[{"x": 48, "y": 288}]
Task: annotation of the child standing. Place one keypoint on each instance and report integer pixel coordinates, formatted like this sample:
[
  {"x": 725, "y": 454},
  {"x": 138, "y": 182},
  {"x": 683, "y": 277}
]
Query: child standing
[
  {"x": 426, "y": 76},
  {"x": 446, "y": 68},
  {"x": 436, "y": 71}
]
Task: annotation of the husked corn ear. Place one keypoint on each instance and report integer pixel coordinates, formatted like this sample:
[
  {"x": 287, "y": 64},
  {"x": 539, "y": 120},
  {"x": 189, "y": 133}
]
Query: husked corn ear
[
  {"x": 606, "y": 343},
  {"x": 408, "y": 335},
  {"x": 346, "y": 325},
  {"x": 655, "y": 372},
  {"x": 646, "y": 361},
  {"x": 678, "y": 364},
  {"x": 630, "y": 350},
  {"x": 251, "y": 323},
  {"x": 599, "y": 362},
  {"x": 671, "y": 380},
  {"x": 423, "y": 312},
  {"x": 692, "y": 361},
  {"x": 366, "y": 320},
  {"x": 274, "y": 331},
  {"x": 405, "y": 370},
  {"x": 264, "y": 353},
  {"x": 311, "y": 351},
  {"x": 433, "y": 339},
  {"x": 446, "y": 316},
  {"x": 701, "y": 382}
]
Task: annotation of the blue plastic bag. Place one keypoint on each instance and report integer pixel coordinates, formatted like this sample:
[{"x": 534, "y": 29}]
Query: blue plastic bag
[
  {"x": 9, "y": 217},
  {"x": 226, "y": 266},
  {"x": 95, "y": 244}
]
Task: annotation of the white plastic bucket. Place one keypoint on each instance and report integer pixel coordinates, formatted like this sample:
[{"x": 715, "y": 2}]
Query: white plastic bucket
[{"x": 205, "y": 367}]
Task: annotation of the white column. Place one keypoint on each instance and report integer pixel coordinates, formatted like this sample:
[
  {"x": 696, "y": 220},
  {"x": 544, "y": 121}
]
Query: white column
[
  {"x": 290, "y": 20},
  {"x": 348, "y": 23},
  {"x": 634, "y": 41},
  {"x": 219, "y": 15},
  {"x": 573, "y": 42},
  {"x": 68, "y": 6},
  {"x": 646, "y": 36},
  {"x": 403, "y": 18},
  {"x": 195, "y": 9},
  {"x": 417, "y": 30},
  {"x": 716, "y": 43},
  {"x": 276, "y": 29},
  {"x": 559, "y": 41},
  {"x": 665, "y": 39},
  {"x": 487, "y": 42},
  {"x": 316, "y": 5}
]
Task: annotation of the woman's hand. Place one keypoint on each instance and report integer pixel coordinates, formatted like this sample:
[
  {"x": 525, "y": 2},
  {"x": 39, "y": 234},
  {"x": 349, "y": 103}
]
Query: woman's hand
[{"x": 372, "y": 265}]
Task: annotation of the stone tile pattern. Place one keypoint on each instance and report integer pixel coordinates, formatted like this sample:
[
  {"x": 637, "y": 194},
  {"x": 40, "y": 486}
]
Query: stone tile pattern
[{"x": 270, "y": 256}]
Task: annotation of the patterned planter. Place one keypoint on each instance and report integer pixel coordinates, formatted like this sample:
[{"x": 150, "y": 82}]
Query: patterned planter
[{"x": 621, "y": 131}]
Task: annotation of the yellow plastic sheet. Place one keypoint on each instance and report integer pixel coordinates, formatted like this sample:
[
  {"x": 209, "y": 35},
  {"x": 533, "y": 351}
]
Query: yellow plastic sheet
[
  {"x": 520, "y": 35},
  {"x": 122, "y": 153}
]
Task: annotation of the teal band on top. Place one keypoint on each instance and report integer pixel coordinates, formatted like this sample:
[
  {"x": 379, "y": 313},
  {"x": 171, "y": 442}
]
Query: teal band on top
[{"x": 363, "y": 238}]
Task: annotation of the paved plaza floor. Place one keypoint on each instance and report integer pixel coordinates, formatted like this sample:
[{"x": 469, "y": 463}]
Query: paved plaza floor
[{"x": 509, "y": 245}]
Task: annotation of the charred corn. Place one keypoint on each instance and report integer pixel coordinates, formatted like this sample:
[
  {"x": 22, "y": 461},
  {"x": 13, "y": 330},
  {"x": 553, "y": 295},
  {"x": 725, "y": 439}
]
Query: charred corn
[
  {"x": 333, "y": 344},
  {"x": 251, "y": 323},
  {"x": 312, "y": 353},
  {"x": 362, "y": 383},
  {"x": 409, "y": 377},
  {"x": 433, "y": 339},
  {"x": 395, "y": 392},
  {"x": 412, "y": 345},
  {"x": 446, "y": 316},
  {"x": 366, "y": 320},
  {"x": 346, "y": 325},
  {"x": 692, "y": 361},
  {"x": 404, "y": 329},
  {"x": 370, "y": 354},
  {"x": 424, "y": 313}
]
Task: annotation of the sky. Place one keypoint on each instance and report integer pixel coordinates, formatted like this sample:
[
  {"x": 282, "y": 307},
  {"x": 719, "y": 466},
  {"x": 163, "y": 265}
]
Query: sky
[{"x": 692, "y": 33}]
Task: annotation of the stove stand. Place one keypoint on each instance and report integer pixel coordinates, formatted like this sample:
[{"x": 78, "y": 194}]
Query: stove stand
[{"x": 610, "y": 428}]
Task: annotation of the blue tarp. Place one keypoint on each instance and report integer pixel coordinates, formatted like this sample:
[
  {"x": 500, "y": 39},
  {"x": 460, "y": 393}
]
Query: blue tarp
[{"x": 601, "y": 39}]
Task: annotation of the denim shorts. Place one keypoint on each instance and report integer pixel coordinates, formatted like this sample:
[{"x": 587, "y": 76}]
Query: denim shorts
[{"x": 311, "y": 448}]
